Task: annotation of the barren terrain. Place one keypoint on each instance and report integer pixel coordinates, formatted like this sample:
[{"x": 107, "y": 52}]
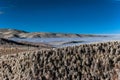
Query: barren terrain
[{"x": 13, "y": 33}]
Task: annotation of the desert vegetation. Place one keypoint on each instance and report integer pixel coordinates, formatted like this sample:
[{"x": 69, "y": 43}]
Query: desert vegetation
[{"x": 98, "y": 61}]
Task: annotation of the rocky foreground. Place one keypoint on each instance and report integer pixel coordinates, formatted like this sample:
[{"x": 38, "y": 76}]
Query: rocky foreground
[{"x": 98, "y": 61}]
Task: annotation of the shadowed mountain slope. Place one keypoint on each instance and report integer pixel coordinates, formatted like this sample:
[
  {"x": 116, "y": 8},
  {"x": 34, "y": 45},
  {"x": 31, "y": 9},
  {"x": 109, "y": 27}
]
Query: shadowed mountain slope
[{"x": 7, "y": 42}]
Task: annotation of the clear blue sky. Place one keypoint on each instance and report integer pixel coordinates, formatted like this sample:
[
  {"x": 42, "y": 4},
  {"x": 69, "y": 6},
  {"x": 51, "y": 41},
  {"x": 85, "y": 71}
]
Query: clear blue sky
[{"x": 67, "y": 16}]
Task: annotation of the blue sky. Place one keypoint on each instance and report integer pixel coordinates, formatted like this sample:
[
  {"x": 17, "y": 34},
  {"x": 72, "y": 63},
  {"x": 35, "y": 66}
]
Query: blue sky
[{"x": 65, "y": 16}]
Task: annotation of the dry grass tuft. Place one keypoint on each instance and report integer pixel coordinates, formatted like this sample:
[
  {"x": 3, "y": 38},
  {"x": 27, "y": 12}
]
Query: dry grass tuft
[{"x": 99, "y": 61}]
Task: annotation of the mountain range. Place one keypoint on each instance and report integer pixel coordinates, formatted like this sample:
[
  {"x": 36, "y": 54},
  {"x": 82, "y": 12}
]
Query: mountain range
[{"x": 14, "y": 33}]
